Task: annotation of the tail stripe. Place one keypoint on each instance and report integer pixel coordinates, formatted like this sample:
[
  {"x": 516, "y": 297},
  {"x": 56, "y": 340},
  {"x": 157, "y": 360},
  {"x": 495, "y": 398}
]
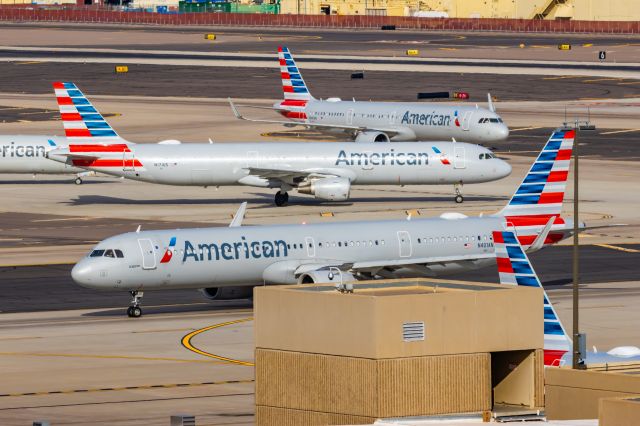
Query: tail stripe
[
  {"x": 514, "y": 268},
  {"x": 80, "y": 119}
]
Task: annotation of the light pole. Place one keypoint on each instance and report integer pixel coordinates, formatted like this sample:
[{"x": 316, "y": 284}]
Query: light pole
[{"x": 578, "y": 338}]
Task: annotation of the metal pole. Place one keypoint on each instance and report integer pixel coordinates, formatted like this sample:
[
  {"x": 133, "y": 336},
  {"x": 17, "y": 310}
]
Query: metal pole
[{"x": 576, "y": 198}]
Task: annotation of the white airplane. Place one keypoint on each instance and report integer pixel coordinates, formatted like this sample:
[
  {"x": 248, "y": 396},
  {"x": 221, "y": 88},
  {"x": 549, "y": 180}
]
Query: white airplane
[
  {"x": 28, "y": 154},
  {"x": 381, "y": 121},
  {"x": 515, "y": 268},
  {"x": 325, "y": 170},
  {"x": 227, "y": 262}
]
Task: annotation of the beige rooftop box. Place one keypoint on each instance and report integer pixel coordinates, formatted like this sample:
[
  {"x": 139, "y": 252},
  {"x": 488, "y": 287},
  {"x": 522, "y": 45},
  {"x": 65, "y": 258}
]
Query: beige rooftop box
[
  {"x": 395, "y": 348},
  {"x": 399, "y": 318}
]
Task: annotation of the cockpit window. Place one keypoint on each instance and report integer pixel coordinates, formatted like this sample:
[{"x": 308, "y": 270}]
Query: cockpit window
[
  {"x": 96, "y": 253},
  {"x": 481, "y": 156},
  {"x": 109, "y": 253},
  {"x": 487, "y": 156},
  {"x": 119, "y": 253}
]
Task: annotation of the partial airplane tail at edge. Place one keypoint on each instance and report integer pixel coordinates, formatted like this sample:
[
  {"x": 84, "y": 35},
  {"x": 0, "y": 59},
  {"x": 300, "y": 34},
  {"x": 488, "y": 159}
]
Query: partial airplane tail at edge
[
  {"x": 541, "y": 193},
  {"x": 293, "y": 85},
  {"x": 515, "y": 268},
  {"x": 81, "y": 120}
]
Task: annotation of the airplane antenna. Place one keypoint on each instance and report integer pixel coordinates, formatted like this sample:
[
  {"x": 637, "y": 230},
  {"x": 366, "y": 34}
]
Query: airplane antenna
[
  {"x": 210, "y": 141},
  {"x": 139, "y": 228},
  {"x": 409, "y": 216}
]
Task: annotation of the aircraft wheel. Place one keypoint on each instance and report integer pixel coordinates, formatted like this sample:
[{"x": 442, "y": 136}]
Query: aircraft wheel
[
  {"x": 78, "y": 181},
  {"x": 130, "y": 311},
  {"x": 459, "y": 199},
  {"x": 281, "y": 198},
  {"x": 136, "y": 312}
]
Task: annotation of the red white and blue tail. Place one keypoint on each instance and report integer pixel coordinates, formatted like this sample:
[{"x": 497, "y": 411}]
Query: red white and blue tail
[
  {"x": 540, "y": 195},
  {"x": 515, "y": 268},
  {"x": 293, "y": 85},
  {"x": 81, "y": 120}
]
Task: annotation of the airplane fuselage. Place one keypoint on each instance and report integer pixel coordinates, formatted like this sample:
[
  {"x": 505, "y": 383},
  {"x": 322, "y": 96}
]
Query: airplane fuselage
[
  {"x": 27, "y": 154},
  {"x": 411, "y": 120},
  {"x": 250, "y": 163},
  {"x": 215, "y": 257}
]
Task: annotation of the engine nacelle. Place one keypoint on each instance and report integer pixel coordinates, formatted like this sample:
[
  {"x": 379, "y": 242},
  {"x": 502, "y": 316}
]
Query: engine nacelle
[
  {"x": 368, "y": 137},
  {"x": 324, "y": 276},
  {"x": 227, "y": 293},
  {"x": 332, "y": 189}
]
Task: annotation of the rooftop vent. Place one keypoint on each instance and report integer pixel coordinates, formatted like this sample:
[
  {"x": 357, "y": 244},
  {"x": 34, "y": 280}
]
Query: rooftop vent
[{"x": 413, "y": 331}]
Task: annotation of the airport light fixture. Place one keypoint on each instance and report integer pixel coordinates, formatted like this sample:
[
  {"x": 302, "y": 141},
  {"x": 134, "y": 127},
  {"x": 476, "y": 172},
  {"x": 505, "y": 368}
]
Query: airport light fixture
[{"x": 579, "y": 342}]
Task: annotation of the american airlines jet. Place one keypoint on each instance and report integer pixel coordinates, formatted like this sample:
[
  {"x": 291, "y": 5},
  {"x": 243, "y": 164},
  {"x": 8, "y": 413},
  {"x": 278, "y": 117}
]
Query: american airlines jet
[
  {"x": 28, "y": 154},
  {"x": 325, "y": 170},
  {"x": 227, "y": 262},
  {"x": 381, "y": 121},
  {"x": 515, "y": 268}
]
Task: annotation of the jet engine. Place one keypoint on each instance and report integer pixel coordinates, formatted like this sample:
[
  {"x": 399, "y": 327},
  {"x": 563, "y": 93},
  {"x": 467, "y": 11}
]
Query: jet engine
[
  {"x": 227, "y": 293},
  {"x": 324, "y": 276},
  {"x": 368, "y": 137},
  {"x": 332, "y": 189}
]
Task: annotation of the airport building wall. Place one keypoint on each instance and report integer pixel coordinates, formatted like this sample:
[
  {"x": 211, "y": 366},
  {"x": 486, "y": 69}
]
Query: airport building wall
[
  {"x": 94, "y": 14},
  {"x": 575, "y": 394}
]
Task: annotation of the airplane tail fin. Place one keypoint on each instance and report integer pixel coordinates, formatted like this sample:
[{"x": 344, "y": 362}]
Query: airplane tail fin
[
  {"x": 293, "y": 84},
  {"x": 82, "y": 121},
  {"x": 540, "y": 195},
  {"x": 515, "y": 268}
]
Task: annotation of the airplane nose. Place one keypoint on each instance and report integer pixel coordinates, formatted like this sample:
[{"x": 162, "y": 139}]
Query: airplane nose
[
  {"x": 503, "y": 132},
  {"x": 82, "y": 273},
  {"x": 504, "y": 169}
]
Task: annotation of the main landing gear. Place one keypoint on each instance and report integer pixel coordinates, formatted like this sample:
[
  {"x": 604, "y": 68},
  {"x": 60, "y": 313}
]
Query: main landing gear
[
  {"x": 282, "y": 198},
  {"x": 135, "y": 311},
  {"x": 458, "y": 188},
  {"x": 78, "y": 181}
]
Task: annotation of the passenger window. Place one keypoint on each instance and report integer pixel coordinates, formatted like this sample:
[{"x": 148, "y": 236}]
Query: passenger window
[
  {"x": 109, "y": 253},
  {"x": 339, "y": 243},
  {"x": 119, "y": 254},
  {"x": 96, "y": 253}
]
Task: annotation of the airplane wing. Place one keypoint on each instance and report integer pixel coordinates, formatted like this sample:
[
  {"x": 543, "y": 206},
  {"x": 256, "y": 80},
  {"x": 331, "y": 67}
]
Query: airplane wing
[
  {"x": 286, "y": 123},
  {"x": 420, "y": 264},
  {"x": 294, "y": 176}
]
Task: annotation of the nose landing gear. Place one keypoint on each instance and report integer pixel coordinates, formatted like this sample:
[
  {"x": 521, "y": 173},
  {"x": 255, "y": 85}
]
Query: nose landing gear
[
  {"x": 458, "y": 188},
  {"x": 135, "y": 311}
]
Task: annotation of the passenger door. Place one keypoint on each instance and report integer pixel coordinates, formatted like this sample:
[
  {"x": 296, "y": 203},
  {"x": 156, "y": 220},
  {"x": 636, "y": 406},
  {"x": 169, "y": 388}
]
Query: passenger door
[
  {"x": 466, "y": 119},
  {"x": 459, "y": 159},
  {"x": 311, "y": 248},
  {"x": 404, "y": 242},
  {"x": 350, "y": 116},
  {"x": 128, "y": 161},
  {"x": 148, "y": 253}
]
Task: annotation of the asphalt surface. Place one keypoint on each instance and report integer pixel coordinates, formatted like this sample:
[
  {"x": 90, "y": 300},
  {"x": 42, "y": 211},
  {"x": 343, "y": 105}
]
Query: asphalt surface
[
  {"x": 44, "y": 288},
  {"x": 26, "y": 230},
  {"x": 264, "y": 83}
]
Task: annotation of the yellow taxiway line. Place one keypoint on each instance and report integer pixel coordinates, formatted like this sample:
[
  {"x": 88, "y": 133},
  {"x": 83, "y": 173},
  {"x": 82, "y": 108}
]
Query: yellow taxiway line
[
  {"x": 121, "y": 388},
  {"x": 186, "y": 342},
  {"x": 625, "y": 249}
]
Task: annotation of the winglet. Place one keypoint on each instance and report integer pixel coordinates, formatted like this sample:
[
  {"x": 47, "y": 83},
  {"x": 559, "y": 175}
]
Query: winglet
[
  {"x": 235, "y": 110},
  {"x": 239, "y": 216},
  {"x": 538, "y": 243},
  {"x": 492, "y": 108}
]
